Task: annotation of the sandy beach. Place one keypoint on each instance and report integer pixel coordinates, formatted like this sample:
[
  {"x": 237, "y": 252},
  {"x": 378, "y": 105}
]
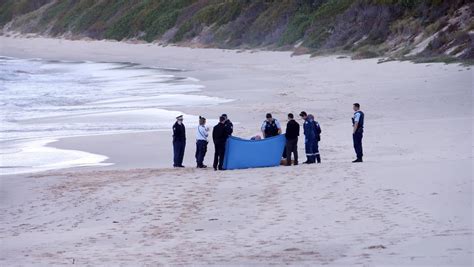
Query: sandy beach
[{"x": 409, "y": 203}]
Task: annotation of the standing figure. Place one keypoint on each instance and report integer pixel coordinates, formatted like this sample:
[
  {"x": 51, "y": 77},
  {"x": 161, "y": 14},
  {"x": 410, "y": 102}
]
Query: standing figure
[
  {"x": 201, "y": 142},
  {"x": 270, "y": 126},
  {"x": 292, "y": 133},
  {"x": 179, "y": 142},
  {"x": 310, "y": 138},
  {"x": 219, "y": 135},
  {"x": 357, "y": 131},
  {"x": 317, "y": 134}
]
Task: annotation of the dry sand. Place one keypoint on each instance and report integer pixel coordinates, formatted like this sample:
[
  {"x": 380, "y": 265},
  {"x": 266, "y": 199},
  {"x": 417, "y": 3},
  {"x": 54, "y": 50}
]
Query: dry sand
[{"x": 410, "y": 203}]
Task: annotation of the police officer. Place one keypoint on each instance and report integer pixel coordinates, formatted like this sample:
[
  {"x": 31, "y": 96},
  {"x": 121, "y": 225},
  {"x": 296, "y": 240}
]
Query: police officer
[
  {"x": 219, "y": 135},
  {"x": 292, "y": 133},
  {"x": 229, "y": 127},
  {"x": 179, "y": 142},
  {"x": 201, "y": 142},
  {"x": 270, "y": 126},
  {"x": 357, "y": 131},
  {"x": 317, "y": 133},
  {"x": 310, "y": 138}
]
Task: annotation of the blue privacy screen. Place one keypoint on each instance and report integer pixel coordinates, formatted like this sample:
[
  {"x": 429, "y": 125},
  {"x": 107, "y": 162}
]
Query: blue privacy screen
[{"x": 242, "y": 154}]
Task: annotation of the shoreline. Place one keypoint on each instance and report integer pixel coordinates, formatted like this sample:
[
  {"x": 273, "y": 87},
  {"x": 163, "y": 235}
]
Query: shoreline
[
  {"x": 239, "y": 90},
  {"x": 83, "y": 157}
]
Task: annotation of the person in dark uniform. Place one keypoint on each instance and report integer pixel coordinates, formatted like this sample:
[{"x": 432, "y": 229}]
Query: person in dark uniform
[
  {"x": 229, "y": 127},
  {"x": 219, "y": 135},
  {"x": 179, "y": 142},
  {"x": 357, "y": 131},
  {"x": 270, "y": 127},
  {"x": 292, "y": 133},
  {"x": 310, "y": 138},
  {"x": 317, "y": 134}
]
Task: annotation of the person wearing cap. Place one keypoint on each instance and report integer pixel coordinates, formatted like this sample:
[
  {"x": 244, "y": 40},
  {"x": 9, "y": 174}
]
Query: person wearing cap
[
  {"x": 201, "y": 142},
  {"x": 229, "y": 127},
  {"x": 270, "y": 126},
  {"x": 357, "y": 131},
  {"x": 310, "y": 137},
  {"x": 292, "y": 133},
  {"x": 219, "y": 136},
  {"x": 317, "y": 134},
  {"x": 179, "y": 142}
]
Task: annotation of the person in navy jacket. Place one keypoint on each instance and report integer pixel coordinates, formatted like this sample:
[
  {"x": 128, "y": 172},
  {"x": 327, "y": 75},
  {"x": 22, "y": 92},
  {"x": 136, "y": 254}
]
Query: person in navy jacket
[
  {"x": 310, "y": 138},
  {"x": 317, "y": 134},
  {"x": 179, "y": 142}
]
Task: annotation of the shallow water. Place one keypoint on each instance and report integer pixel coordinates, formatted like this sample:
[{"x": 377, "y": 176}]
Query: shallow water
[{"x": 41, "y": 101}]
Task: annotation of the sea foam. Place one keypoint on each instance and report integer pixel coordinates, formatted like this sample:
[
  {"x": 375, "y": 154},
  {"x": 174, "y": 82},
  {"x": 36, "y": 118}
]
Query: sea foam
[{"x": 41, "y": 101}]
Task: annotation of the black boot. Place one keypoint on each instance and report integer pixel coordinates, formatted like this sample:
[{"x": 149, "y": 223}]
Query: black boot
[
  {"x": 318, "y": 158},
  {"x": 357, "y": 160}
]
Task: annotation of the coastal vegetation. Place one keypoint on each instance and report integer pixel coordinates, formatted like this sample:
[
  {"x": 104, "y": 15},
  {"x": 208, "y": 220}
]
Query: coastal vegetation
[{"x": 430, "y": 29}]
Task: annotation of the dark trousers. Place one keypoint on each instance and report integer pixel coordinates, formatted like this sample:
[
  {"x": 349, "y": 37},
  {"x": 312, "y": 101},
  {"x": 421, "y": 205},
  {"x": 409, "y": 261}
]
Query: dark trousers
[
  {"x": 178, "y": 148},
  {"x": 309, "y": 149},
  {"x": 357, "y": 138},
  {"x": 291, "y": 147},
  {"x": 316, "y": 151},
  {"x": 201, "y": 149},
  {"x": 219, "y": 156}
]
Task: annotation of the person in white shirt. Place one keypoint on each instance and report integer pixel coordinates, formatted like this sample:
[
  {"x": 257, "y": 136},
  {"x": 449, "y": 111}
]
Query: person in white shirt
[{"x": 202, "y": 134}]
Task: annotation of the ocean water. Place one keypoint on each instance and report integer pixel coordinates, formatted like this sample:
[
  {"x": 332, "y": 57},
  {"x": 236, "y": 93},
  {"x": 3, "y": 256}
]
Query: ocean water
[{"x": 41, "y": 101}]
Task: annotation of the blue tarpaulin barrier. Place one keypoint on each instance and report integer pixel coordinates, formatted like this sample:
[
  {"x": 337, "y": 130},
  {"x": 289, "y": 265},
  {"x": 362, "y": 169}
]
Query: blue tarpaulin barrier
[{"x": 243, "y": 154}]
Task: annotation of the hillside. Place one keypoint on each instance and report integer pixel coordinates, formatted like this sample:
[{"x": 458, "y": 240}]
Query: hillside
[{"x": 421, "y": 29}]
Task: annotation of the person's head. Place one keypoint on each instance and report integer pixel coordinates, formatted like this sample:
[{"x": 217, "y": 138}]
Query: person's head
[
  {"x": 290, "y": 116},
  {"x": 303, "y": 115},
  {"x": 222, "y": 119},
  {"x": 202, "y": 120},
  {"x": 179, "y": 119},
  {"x": 225, "y": 116},
  {"x": 356, "y": 106},
  {"x": 269, "y": 117}
]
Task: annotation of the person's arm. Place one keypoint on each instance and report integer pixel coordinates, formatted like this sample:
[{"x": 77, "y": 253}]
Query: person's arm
[
  {"x": 263, "y": 129},
  {"x": 278, "y": 126},
  {"x": 356, "y": 123}
]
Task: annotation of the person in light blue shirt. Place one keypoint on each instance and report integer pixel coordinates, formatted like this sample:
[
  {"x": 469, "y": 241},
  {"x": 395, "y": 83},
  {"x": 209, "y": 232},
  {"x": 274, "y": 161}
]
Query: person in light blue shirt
[
  {"x": 358, "y": 131},
  {"x": 202, "y": 134}
]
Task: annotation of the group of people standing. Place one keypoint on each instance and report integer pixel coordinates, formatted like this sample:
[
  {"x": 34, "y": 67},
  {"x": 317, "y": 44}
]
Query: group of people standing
[
  {"x": 220, "y": 133},
  {"x": 312, "y": 136},
  {"x": 270, "y": 127}
]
